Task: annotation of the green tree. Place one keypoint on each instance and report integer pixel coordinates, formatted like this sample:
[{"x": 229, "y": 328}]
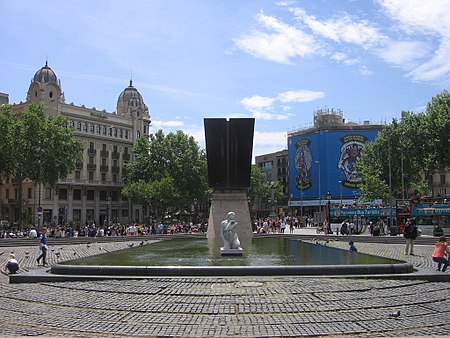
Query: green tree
[
  {"x": 36, "y": 147},
  {"x": 173, "y": 168},
  {"x": 405, "y": 150}
]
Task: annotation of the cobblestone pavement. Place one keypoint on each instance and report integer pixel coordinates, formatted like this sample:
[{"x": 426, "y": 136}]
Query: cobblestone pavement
[{"x": 226, "y": 306}]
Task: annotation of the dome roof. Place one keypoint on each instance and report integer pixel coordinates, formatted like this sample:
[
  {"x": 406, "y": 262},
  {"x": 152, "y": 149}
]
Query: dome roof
[
  {"x": 45, "y": 74},
  {"x": 131, "y": 96}
]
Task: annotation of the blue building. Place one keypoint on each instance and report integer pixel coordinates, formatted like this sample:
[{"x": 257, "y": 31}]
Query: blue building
[{"x": 322, "y": 160}]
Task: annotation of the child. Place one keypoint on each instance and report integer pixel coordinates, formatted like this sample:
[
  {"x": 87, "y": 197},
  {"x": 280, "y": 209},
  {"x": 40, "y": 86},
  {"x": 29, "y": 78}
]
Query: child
[
  {"x": 12, "y": 266},
  {"x": 440, "y": 251},
  {"x": 352, "y": 247}
]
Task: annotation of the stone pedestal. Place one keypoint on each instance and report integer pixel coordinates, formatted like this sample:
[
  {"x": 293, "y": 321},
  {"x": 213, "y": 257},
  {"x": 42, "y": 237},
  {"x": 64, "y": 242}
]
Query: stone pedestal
[
  {"x": 231, "y": 252},
  {"x": 222, "y": 202}
]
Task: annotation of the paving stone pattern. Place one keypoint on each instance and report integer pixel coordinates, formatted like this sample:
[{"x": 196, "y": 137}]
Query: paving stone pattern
[{"x": 226, "y": 306}]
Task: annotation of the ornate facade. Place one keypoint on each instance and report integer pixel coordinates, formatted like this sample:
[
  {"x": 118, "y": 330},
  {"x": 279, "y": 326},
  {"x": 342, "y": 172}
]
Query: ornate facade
[{"x": 92, "y": 192}]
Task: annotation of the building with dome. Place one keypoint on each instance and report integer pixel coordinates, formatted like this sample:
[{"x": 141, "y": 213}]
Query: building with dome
[{"x": 92, "y": 192}]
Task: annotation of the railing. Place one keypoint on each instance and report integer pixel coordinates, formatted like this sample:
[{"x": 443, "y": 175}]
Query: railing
[
  {"x": 126, "y": 156},
  {"x": 91, "y": 166},
  {"x": 115, "y": 154},
  {"x": 104, "y": 153},
  {"x": 103, "y": 168}
]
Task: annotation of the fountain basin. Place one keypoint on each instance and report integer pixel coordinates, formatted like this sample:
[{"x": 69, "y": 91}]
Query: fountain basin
[{"x": 270, "y": 256}]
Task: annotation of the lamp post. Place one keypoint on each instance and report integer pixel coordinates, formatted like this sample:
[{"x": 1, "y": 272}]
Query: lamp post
[
  {"x": 340, "y": 186},
  {"x": 329, "y": 209},
  {"x": 320, "y": 195},
  {"x": 272, "y": 201},
  {"x": 108, "y": 202}
]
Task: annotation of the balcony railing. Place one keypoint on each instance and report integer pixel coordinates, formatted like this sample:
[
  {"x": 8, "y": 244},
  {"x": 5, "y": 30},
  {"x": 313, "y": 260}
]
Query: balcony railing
[
  {"x": 79, "y": 165},
  {"x": 126, "y": 156},
  {"x": 115, "y": 169},
  {"x": 91, "y": 166},
  {"x": 92, "y": 151},
  {"x": 115, "y": 154},
  {"x": 104, "y": 153},
  {"x": 103, "y": 168}
]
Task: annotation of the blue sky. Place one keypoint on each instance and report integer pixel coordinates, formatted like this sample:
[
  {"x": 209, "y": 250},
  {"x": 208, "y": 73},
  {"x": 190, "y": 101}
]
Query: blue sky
[{"x": 275, "y": 61}]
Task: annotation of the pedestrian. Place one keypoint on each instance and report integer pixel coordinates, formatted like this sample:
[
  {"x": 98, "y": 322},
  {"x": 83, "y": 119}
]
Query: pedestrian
[
  {"x": 410, "y": 235},
  {"x": 12, "y": 266},
  {"x": 440, "y": 252},
  {"x": 43, "y": 248},
  {"x": 352, "y": 247}
]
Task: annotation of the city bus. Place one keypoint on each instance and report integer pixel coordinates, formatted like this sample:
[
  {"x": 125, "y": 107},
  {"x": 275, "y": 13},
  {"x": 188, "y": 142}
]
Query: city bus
[{"x": 432, "y": 215}]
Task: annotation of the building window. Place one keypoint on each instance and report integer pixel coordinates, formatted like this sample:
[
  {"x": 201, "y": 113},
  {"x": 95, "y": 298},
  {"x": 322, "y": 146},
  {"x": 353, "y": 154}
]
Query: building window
[
  {"x": 126, "y": 134},
  {"x": 110, "y": 131},
  {"x": 102, "y": 195},
  {"x": 103, "y": 177},
  {"x": 90, "y": 195},
  {"x": 124, "y": 212},
  {"x": 90, "y": 215},
  {"x": 114, "y": 178},
  {"x": 114, "y": 195},
  {"x": 91, "y": 128},
  {"x": 77, "y": 194},
  {"x": 62, "y": 194},
  {"x": 145, "y": 129},
  {"x": 91, "y": 145},
  {"x": 120, "y": 133},
  {"x": 104, "y": 130},
  {"x": 30, "y": 193},
  {"x": 97, "y": 128},
  {"x": 138, "y": 134},
  {"x": 79, "y": 125},
  {"x": 76, "y": 215},
  {"x": 115, "y": 132},
  {"x": 77, "y": 175},
  {"x": 443, "y": 180},
  {"x": 7, "y": 193},
  {"x": 71, "y": 124},
  {"x": 48, "y": 193},
  {"x": 85, "y": 127},
  {"x": 91, "y": 176}
]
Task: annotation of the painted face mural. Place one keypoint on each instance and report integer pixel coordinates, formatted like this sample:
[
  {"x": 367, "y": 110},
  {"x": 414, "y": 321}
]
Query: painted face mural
[
  {"x": 303, "y": 161},
  {"x": 350, "y": 153}
]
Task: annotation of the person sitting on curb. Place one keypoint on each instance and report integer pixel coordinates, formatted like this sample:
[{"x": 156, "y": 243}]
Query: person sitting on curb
[{"x": 352, "y": 247}]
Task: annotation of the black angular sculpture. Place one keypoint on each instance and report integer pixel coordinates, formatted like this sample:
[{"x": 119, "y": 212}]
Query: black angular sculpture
[{"x": 229, "y": 145}]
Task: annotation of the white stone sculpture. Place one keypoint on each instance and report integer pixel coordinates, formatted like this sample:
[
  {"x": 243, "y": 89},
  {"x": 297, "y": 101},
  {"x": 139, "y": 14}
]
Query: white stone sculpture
[{"x": 231, "y": 243}]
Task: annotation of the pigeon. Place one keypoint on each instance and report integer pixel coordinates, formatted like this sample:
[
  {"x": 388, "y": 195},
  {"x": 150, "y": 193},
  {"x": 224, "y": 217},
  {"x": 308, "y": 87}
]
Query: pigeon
[
  {"x": 395, "y": 314},
  {"x": 142, "y": 243},
  {"x": 130, "y": 245}
]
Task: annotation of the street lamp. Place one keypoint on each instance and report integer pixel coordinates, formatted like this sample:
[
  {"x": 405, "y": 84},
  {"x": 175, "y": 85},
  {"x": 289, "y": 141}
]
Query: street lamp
[
  {"x": 320, "y": 195},
  {"x": 340, "y": 186},
  {"x": 108, "y": 202},
  {"x": 272, "y": 201},
  {"x": 329, "y": 209}
]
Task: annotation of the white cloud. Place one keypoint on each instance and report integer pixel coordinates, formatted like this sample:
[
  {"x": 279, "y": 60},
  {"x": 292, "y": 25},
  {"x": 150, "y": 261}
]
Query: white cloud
[
  {"x": 167, "y": 124},
  {"x": 257, "y": 102},
  {"x": 403, "y": 53},
  {"x": 276, "y": 138},
  {"x": 343, "y": 29},
  {"x": 282, "y": 43},
  {"x": 263, "y": 107},
  {"x": 430, "y": 18},
  {"x": 300, "y": 96}
]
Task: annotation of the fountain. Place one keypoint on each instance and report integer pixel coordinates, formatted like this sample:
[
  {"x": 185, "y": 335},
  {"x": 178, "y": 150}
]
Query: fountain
[{"x": 229, "y": 249}]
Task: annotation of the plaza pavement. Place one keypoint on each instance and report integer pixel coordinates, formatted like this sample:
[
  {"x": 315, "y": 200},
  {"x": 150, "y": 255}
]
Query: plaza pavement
[{"x": 224, "y": 306}]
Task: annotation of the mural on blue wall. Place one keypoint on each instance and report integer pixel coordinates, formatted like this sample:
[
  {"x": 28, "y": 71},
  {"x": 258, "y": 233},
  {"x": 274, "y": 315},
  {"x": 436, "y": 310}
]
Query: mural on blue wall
[
  {"x": 350, "y": 153},
  {"x": 303, "y": 162},
  {"x": 332, "y": 155}
]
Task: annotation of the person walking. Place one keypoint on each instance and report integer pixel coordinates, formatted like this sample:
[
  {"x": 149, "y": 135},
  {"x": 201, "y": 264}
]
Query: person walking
[
  {"x": 410, "y": 235},
  {"x": 440, "y": 251},
  {"x": 43, "y": 248}
]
